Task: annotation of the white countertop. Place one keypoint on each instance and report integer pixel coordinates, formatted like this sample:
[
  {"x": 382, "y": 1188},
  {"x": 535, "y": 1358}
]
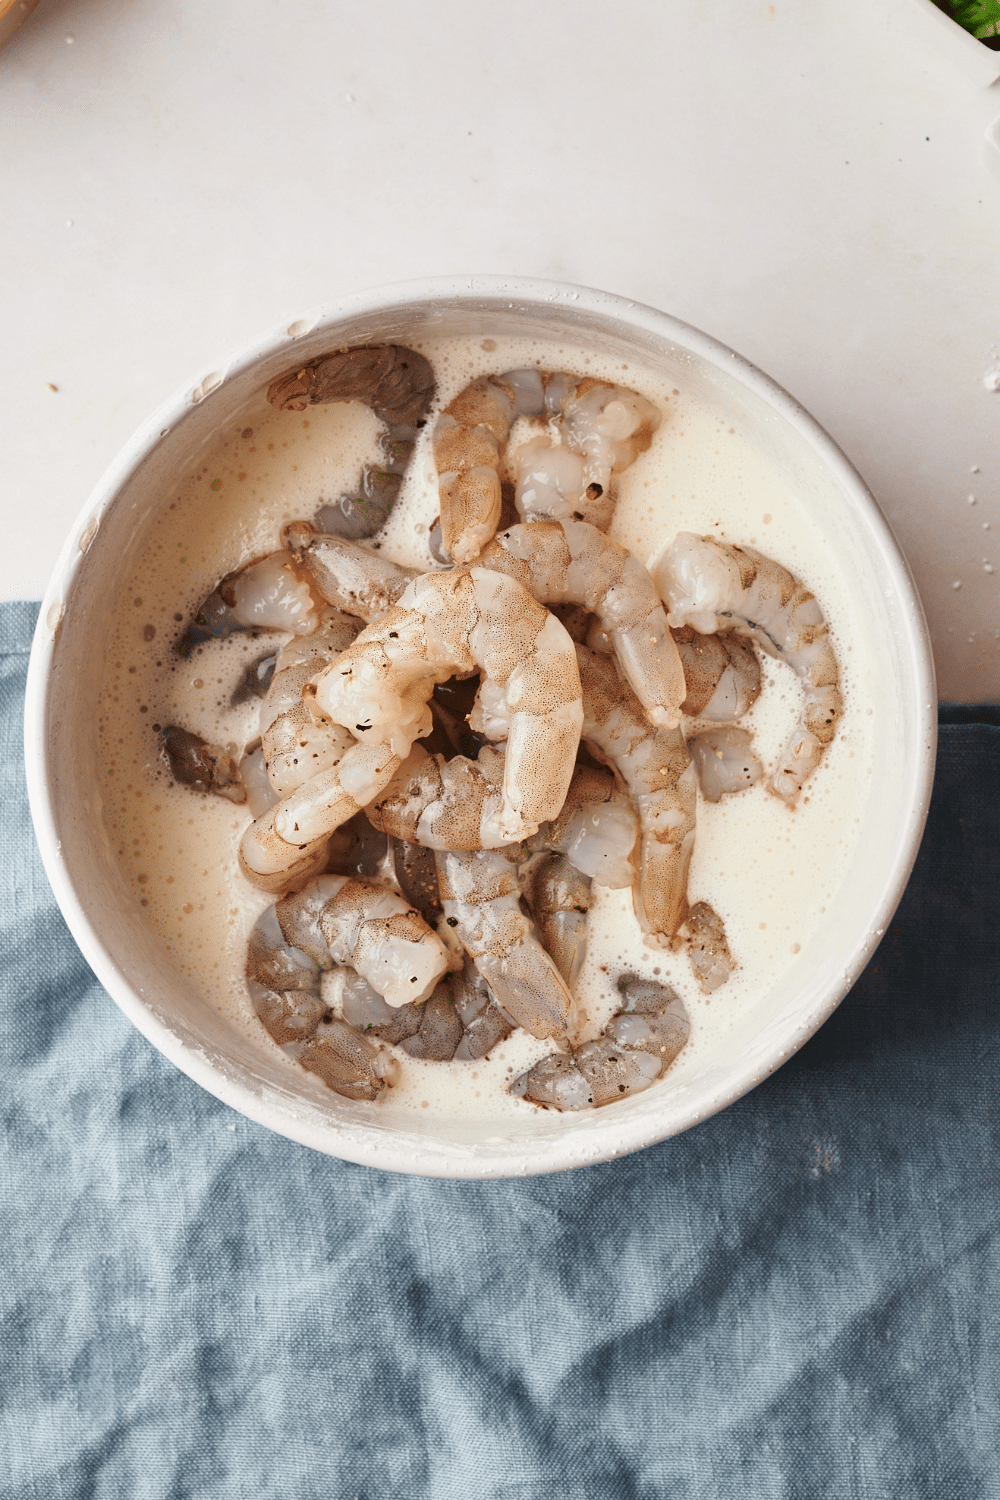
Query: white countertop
[{"x": 805, "y": 182}]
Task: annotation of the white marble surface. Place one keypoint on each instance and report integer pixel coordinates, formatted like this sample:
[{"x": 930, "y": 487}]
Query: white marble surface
[{"x": 803, "y": 181}]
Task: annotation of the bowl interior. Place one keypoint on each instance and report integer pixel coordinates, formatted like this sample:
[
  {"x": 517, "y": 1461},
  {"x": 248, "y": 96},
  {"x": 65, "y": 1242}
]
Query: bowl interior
[{"x": 128, "y": 956}]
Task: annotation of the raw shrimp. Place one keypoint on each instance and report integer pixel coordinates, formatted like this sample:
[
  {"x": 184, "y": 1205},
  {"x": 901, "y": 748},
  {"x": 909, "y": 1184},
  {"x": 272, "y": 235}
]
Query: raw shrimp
[
  {"x": 339, "y": 920},
  {"x": 398, "y": 385},
  {"x": 266, "y": 593},
  {"x": 287, "y": 844},
  {"x": 461, "y": 994},
  {"x": 481, "y": 899},
  {"x": 294, "y": 744},
  {"x": 416, "y": 875},
  {"x": 193, "y": 762},
  {"x": 574, "y": 563},
  {"x": 444, "y": 804},
  {"x": 713, "y": 586},
  {"x": 431, "y": 1030},
  {"x": 638, "y": 1045},
  {"x": 483, "y": 1021},
  {"x": 296, "y": 940},
  {"x": 453, "y": 804},
  {"x": 284, "y": 590},
  {"x": 657, "y": 770},
  {"x": 597, "y": 829},
  {"x": 724, "y": 761},
  {"x": 468, "y": 438},
  {"x": 603, "y": 428},
  {"x": 559, "y": 898},
  {"x": 707, "y": 947},
  {"x": 721, "y": 674},
  {"x": 351, "y": 578},
  {"x": 460, "y": 1021},
  {"x": 284, "y": 988},
  {"x": 608, "y": 424},
  {"x": 461, "y": 622}
]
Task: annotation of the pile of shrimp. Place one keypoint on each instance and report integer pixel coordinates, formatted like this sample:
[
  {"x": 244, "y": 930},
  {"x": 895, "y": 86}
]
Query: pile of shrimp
[{"x": 448, "y": 761}]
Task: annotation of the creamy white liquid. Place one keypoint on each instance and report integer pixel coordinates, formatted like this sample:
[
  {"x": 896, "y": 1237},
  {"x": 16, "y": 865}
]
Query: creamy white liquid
[{"x": 770, "y": 872}]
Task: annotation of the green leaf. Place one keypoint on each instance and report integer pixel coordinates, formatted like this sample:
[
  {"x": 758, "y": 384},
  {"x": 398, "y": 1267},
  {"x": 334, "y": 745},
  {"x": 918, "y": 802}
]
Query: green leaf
[{"x": 981, "y": 17}]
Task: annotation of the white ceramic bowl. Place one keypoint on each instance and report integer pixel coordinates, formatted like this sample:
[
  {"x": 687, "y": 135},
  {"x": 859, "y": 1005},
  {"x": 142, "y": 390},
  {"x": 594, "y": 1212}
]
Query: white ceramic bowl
[{"x": 102, "y": 909}]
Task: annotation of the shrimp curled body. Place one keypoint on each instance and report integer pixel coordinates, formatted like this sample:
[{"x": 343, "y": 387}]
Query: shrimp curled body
[
  {"x": 574, "y": 563},
  {"x": 398, "y": 385},
  {"x": 457, "y": 623},
  {"x": 602, "y": 427},
  {"x": 712, "y": 586},
  {"x": 636, "y": 1047}
]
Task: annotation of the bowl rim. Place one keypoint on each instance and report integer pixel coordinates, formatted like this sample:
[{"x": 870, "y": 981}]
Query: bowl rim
[{"x": 433, "y": 1157}]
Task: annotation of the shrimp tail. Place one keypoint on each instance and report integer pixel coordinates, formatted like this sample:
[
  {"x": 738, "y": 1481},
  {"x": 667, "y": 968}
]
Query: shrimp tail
[
  {"x": 283, "y": 983},
  {"x": 715, "y": 587}
]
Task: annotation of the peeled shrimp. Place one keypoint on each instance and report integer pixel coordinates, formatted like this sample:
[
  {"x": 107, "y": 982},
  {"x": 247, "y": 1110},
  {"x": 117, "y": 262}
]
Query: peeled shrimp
[
  {"x": 287, "y": 845},
  {"x": 559, "y": 898},
  {"x": 431, "y": 1030},
  {"x": 468, "y": 439},
  {"x": 281, "y": 591},
  {"x": 721, "y": 674},
  {"x": 351, "y": 578},
  {"x": 707, "y": 948},
  {"x": 484, "y": 1023},
  {"x": 608, "y": 424},
  {"x": 481, "y": 900},
  {"x": 266, "y": 593},
  {"x": 338, "y": 920},
  {"x": 574, "y": 563},
  {"x": 458, "y": 623},
  {"x": 454, "y": 804},
  {"x": 398, "y": 385},
  {"x": 636, "y": 1047},
  {"x": 724, "y": 761},
  {"x": 444, "y": 804},
  {"x": 461, "y": 1020},
  {"x": 597, "y": 829},
  {"x": 294, "y": 744},
  {"x": 657, "y": 770},
  {"x": 603, "y": 428},
  {"x": 284, "y": 988},
  {"x": 712, "y": 586}
]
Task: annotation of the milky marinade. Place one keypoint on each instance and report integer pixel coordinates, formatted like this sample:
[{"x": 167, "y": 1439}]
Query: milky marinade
[{"x": 768, "y": 871}]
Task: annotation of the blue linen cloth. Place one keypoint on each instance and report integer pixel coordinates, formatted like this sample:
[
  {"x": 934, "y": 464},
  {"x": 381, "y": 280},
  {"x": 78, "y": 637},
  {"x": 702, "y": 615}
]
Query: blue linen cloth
[{"x": 796, "y": 1299}]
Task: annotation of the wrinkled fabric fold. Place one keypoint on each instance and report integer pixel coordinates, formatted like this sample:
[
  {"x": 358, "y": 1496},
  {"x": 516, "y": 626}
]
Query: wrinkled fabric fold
[{"x": 797, "y": 1298}]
